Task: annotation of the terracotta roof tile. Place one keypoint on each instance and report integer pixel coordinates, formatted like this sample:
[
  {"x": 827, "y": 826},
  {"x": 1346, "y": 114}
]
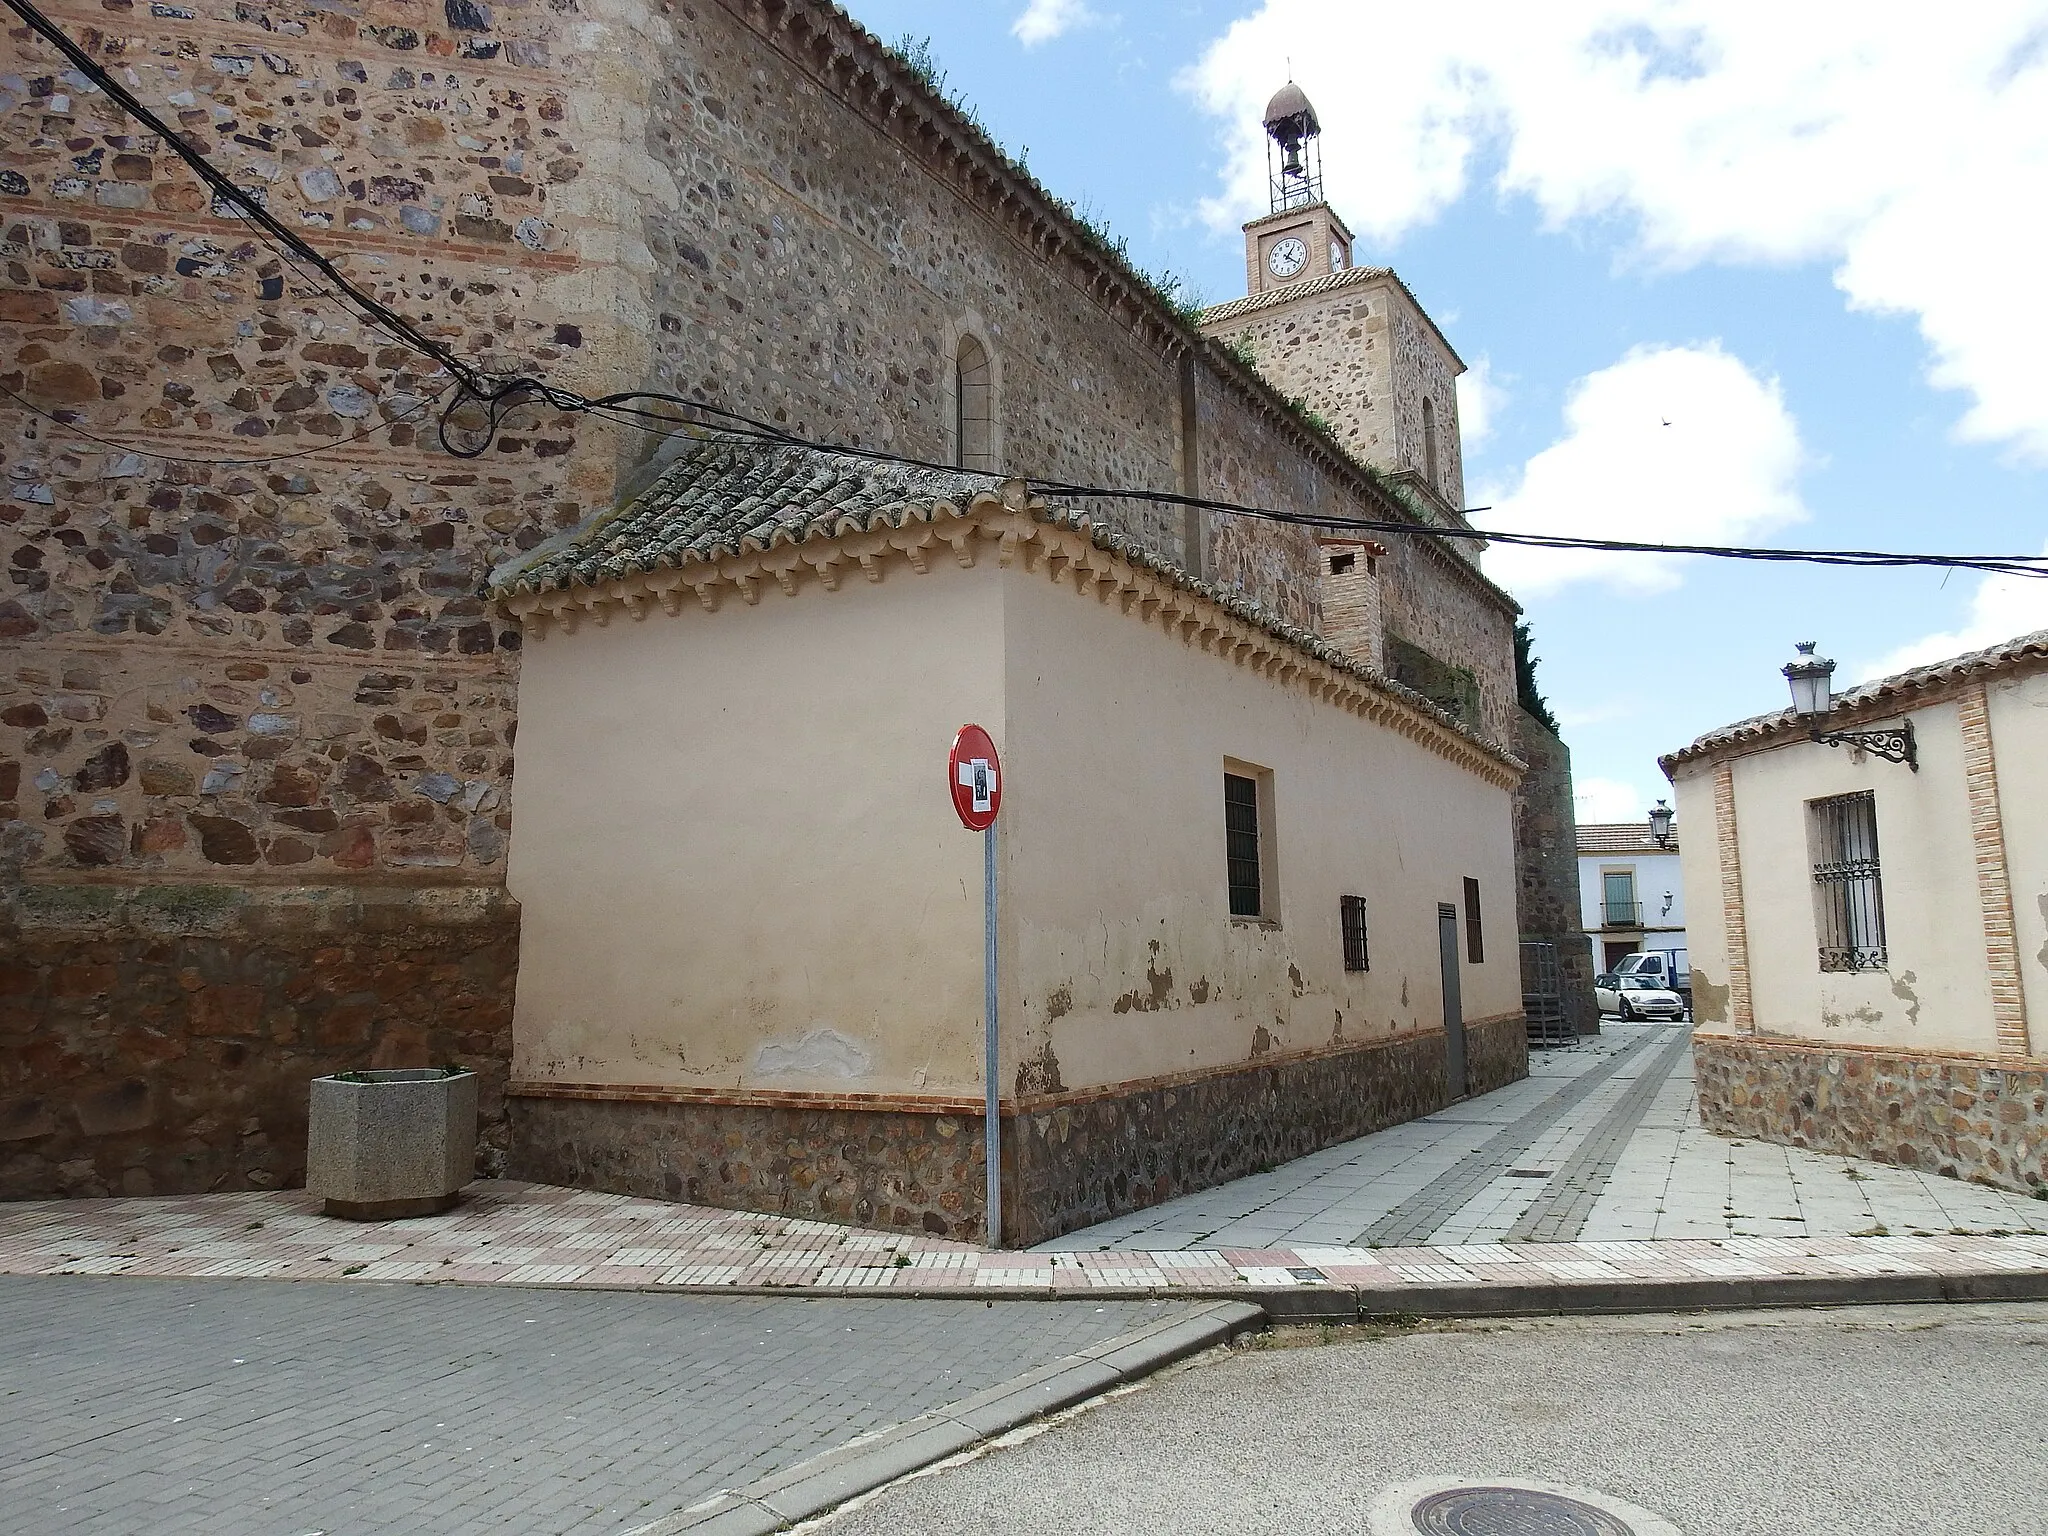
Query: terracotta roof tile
[
  {"x": 1872, "y": 700},
  {"x": 726, "y": 495},
  {"x": 1622, "y": 837}
]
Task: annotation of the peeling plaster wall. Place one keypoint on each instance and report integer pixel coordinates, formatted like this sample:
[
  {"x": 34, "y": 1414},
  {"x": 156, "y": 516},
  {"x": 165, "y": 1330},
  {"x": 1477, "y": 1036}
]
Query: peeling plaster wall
[
  {"x": 1934, "y": 993},
  {"x": 1127, "y": 963},
  {"x": 735, "y": 834}
]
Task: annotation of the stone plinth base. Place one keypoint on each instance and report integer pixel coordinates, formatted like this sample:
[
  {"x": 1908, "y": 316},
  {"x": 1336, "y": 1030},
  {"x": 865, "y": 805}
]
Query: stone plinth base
[
  {"x": 159, "y": 1039},
  {"x": 1966, "y": 1117},
  {"x": 1090, "y": 1157},
  {"x": 1070, "y": 1159}
]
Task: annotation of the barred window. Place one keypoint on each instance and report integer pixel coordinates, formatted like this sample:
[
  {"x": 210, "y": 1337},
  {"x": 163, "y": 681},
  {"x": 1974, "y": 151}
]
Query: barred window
[
  {"x": 1351, "y": 919},
  {"x": 1848, "y": 889},
  {"x": 1475, "y": 936},
  {"x": 1241, "y": 839}
]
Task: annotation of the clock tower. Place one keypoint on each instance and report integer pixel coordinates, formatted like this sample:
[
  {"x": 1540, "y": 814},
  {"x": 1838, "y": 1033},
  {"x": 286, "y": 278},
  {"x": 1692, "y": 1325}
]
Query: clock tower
[{"x": 1350, "y": 341}]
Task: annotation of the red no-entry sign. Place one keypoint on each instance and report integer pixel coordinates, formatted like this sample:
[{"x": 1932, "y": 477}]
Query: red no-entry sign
[
  {"x": 976, "y": 781},
  {"x": 975, "y": 778}
]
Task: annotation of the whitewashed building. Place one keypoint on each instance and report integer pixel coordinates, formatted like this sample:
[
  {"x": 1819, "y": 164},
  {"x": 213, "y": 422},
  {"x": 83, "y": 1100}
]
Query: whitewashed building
[
  {"x": 1631, "y": 891},
  {"x": 1869, "y": 876}
]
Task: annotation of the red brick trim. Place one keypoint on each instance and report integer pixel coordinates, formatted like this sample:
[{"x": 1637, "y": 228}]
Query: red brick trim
[
  {"x": 650, "y": 1093},
  {"x": 1765, "y": 1042},
  {"x": 1994, "y": 881},
  {"x": 1734, "y": 922},
  {"x": 936, "y": 1104}
]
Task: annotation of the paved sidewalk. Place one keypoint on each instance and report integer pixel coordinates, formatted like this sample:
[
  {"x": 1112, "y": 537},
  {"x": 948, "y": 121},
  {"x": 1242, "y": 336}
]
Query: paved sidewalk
[
  {"x": 1602, "y": 1142},
  {"x": 276, "y": 1410},
  {"x": 520, "y": 1235}
]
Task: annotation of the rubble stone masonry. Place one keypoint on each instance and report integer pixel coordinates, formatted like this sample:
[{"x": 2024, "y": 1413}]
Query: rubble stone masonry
[
  {"x": 1547, "y": 865},
  {"x": 1969, "y": 1119},
  {"x": 1069, "y": 1159},
  {"x": 256, "y": 723}
]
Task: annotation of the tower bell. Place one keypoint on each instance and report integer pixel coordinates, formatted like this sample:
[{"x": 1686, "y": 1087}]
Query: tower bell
[{"x": 1291, "y": 124}]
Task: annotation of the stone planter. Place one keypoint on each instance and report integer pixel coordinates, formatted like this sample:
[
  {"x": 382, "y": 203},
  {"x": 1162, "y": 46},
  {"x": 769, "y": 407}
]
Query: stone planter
[{"x": 393, "y": 1143}]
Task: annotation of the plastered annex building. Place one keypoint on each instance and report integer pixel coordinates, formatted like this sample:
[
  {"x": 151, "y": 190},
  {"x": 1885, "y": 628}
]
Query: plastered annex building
[{"x": 267, "y": 646}]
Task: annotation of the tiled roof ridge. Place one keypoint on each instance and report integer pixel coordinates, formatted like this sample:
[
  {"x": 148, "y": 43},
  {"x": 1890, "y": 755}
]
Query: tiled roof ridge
[
  {"x": 1617, "y": 836},
  {"x": 1231, "y": 309},
  {"x": 905, "y": 495},
  {"x": 1866, "y": 698}
]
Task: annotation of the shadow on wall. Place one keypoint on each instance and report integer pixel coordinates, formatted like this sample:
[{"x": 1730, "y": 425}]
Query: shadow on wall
[{"x": 162, "y": 1039}]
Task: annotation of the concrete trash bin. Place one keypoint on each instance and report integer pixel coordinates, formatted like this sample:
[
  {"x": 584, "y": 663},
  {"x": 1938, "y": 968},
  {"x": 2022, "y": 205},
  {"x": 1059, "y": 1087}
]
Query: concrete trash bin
[{"x": 386, "y": 1144}]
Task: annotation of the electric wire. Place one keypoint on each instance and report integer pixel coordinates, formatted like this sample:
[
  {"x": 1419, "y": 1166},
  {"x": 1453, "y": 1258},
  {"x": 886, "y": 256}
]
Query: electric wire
[
  {"x": 328, "y": 446},
  {"x": 498, "y": 396}
]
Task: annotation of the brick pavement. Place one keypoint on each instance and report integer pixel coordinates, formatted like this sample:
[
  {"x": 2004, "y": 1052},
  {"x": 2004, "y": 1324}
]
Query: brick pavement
[
  {"x": 282, "y": 1410},
  {"x": 532, "y": 1236}
]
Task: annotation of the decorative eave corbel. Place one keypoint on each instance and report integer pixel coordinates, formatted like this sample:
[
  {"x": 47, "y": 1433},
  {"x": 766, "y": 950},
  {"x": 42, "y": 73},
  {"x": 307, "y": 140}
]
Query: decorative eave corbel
[{"x": 1016, "y": 523}]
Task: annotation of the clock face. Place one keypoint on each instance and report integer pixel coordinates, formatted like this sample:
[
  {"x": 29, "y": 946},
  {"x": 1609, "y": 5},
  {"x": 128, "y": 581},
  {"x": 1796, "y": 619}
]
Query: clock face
[
  {"x": 1288, "y": 256},
  {"x": 1336, "y": 255}
]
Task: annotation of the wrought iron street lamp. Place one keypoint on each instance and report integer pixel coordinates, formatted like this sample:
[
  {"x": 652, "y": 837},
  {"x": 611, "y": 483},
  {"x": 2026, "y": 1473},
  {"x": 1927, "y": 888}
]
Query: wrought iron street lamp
[
  {"x": 1813, "y": 699},
  {"x": 1660, "y": 824}
]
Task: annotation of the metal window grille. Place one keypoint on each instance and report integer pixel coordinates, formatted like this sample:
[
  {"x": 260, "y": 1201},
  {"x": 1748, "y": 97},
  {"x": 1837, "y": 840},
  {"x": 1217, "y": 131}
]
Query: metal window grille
[
  {"x": 1351, "y": 918},
  {"x": 1847, "y": 882},
  {"x": 1475, "y": 938},
  {"x": 1241, "y": 837}
]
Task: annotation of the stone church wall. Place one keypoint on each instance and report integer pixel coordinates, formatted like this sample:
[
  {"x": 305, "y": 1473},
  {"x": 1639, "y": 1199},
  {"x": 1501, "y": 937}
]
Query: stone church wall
[
  {"x": 260, "y": 665},
  {"x": 1547, "y": 862},
  {"x": 261, "y": 689}
]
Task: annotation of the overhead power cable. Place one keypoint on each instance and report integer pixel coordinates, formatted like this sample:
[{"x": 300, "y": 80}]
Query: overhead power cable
[
  {"x": 226, "y": 190},
  {"x": 161, "y": 457},
  {"x": 498, "y": 396}
]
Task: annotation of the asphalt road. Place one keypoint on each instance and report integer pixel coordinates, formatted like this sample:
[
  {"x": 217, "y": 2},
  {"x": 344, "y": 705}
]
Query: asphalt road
[{"x": 1897, "y": 1421}]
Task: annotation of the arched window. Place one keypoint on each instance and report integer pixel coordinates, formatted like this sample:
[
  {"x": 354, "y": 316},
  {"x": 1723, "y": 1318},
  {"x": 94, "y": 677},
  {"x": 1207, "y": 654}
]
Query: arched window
[
  {"x": 973, "y": 407},
  {"x": 1429, "y": 442}
]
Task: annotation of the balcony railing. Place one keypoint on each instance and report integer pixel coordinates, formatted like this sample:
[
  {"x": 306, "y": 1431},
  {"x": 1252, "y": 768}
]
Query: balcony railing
[{"x": 1621, "y": 914}]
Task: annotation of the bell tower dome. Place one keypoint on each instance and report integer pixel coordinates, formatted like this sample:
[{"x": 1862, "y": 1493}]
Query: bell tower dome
[
  {"x": 1302, "y": 238},
  {"x": 1350, "y": 341}
]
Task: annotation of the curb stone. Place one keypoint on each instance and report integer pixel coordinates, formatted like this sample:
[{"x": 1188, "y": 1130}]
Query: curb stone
[
  {"x": 1349, "y": 1304},
  {"x": 812, "y": 1487}
]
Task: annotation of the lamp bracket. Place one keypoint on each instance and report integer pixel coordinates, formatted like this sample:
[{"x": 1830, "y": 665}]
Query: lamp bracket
[{"x": 1894, "y": 744}]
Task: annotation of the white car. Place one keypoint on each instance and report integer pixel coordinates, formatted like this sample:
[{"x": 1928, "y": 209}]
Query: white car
[{"x": 1633, "y": 997}]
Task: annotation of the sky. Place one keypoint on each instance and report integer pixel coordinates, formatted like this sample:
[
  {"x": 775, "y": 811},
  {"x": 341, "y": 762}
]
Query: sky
[{"x": 1722, "y": 271}]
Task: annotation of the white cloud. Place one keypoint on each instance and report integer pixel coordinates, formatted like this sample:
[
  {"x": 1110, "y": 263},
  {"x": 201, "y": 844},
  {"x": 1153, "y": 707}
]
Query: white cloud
[
  {"x": 1669, "y": 445},
  {"x": 2004, "y": 608},
  {"x": 1044, "y": 20},
  {"x": 1481, "y": 399},
  {"x": 1897, "y": 147},
  {"x": 1608, "y": 800}
]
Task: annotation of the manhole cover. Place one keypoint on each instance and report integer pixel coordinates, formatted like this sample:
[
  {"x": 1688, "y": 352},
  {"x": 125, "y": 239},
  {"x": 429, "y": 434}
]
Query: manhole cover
[
  {"x": 1471, "y": 1506},
  {"x": 1498, "y": 1511}
]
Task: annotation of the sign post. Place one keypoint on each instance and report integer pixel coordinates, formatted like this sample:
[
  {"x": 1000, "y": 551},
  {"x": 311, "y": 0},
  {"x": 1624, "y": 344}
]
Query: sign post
[{"x": 974, "y": 777}]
